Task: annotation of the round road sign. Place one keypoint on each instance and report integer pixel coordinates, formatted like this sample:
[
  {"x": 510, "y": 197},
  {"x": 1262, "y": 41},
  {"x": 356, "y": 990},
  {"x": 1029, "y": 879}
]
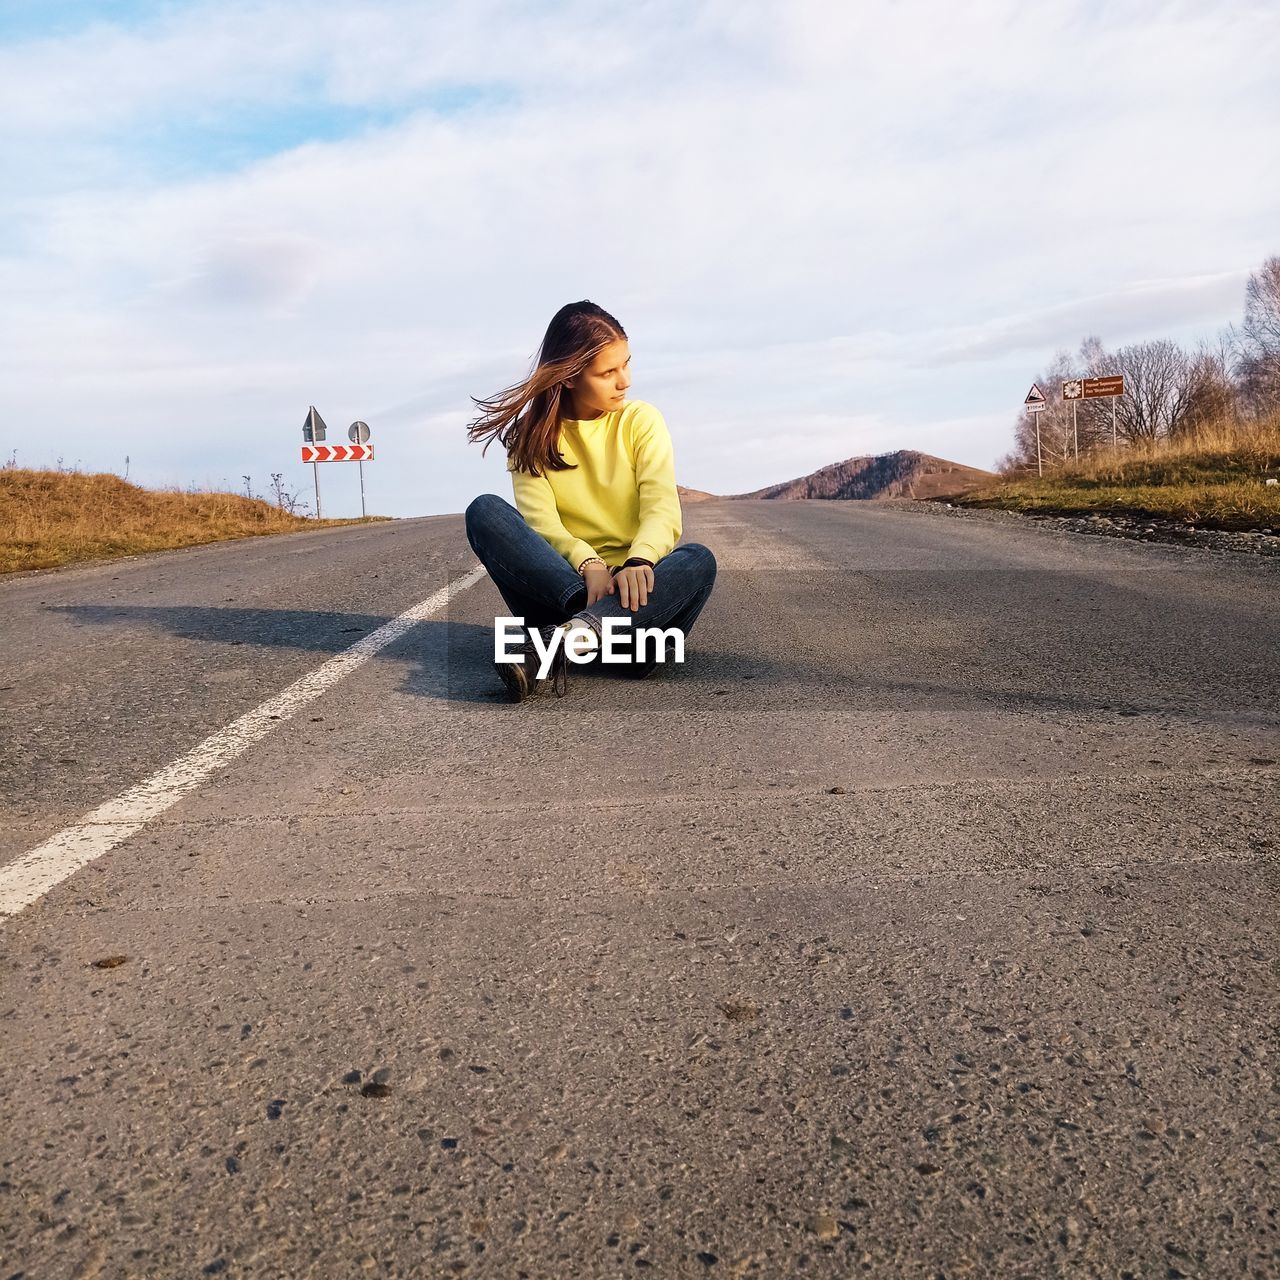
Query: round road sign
[{"x": 358, "y": 433}]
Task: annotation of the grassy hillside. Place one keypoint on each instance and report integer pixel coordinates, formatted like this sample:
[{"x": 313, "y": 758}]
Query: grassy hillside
[
  {"x": 1217, "y": 480},
  {"x": 51, "y": 518}
]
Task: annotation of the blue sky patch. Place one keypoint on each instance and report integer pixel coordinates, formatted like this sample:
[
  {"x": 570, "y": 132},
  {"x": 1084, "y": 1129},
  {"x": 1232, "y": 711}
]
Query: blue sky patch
[
  {"x": 222, "y": 140},
  {"x": 33, "y": 19}
]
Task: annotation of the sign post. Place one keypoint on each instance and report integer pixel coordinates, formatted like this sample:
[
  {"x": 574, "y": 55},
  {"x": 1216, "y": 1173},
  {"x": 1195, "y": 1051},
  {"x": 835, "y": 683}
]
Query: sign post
[
  {"x": 315, "y": 451},
  {"x": 1034, "y": 404},
  {"x": 1109, "y": 388},
  {"x": 358, "y": 433},
  {"x": 313, "y": 432},
  {"x": 1071, "y": 390}
]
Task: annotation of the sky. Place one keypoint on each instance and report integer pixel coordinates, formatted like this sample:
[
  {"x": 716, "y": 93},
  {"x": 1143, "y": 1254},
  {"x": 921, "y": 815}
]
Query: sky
[{"x": 828, "y": 230}]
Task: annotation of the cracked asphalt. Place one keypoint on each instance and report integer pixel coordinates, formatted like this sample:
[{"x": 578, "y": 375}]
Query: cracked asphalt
[{"x": 922, "y": 924}]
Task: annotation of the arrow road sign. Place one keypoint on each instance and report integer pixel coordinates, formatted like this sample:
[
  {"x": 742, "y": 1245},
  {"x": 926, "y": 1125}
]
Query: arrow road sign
[{"x": 337, "y": 453}]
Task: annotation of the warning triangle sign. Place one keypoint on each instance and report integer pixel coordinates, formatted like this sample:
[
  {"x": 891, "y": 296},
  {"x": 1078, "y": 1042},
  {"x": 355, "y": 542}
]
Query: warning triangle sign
[
  {"x": 313, "y": 429},
  {"x": 1034, "y": 396}
]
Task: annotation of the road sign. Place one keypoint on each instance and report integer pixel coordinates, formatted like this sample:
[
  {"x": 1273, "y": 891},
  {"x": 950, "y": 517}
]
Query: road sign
[
  {"x": 313, "y": 429},
  {"x": 1035, "y": 398},
  {"x": 337, "y": 453},
  {"x": 1104, "y": 388},
  {"x": 1033, "y": 406},
  {"x": 358, "y": 434},
  {"x": 1072, "y": 389}
]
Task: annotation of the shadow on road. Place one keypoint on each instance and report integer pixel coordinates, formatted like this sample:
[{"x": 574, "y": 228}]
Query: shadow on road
[
  {"x": 448, "y": 660},
  {"x": 452, "y": 661},
  {"x": 317, "y": 631}
]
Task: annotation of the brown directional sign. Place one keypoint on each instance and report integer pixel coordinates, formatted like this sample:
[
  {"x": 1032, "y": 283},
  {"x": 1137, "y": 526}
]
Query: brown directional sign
[{"x": 1104, "y": 388}]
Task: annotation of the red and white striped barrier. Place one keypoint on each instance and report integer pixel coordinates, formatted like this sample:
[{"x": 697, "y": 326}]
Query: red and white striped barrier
[{"x": 337, "y": 453}]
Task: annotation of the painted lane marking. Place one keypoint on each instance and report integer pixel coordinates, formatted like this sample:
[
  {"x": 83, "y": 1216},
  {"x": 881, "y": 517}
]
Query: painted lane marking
[{"x": 38, "y": 871}]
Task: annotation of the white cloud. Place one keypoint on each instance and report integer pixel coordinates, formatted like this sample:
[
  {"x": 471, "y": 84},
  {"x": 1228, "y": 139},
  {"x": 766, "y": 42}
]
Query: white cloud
[
  {"x": 828, "y": 230},
  {"x": 1141, "y": 308}
]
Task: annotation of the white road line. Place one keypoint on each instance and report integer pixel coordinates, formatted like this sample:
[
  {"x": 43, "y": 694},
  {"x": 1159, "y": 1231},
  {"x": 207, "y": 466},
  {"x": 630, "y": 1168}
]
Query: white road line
[{"x": 38, "y": 871}]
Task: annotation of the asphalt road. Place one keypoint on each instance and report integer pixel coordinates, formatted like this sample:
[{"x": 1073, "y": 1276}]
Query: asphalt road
[{"x": 922, "y": 924}]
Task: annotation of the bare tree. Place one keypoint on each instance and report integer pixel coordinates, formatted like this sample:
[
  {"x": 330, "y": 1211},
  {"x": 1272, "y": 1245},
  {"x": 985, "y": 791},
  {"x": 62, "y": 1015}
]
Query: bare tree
[
  {"x": 1056, "y": 441},
  {"x": 1168, "y": 393},
  {"x": 1211, "y": 392},
  {"x": 1094, "y": 416},
  {"x": 1255, "y": 345},
  {"x": 1060, "y": 422},
  {"x": 287, "y": 499},
  {"x": 1013, "y": 464},
  {"x": 1262, "y": 307},
  {"x": 1157, "y": 390}
]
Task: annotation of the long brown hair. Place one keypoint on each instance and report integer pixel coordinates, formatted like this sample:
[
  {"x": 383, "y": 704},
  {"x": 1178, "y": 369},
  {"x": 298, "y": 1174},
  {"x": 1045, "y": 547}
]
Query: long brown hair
[{"x": 525, "y": 418}]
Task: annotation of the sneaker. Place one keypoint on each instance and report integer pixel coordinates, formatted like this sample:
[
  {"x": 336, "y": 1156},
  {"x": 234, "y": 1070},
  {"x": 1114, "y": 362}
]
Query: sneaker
[{"x": 521, "y": 678}]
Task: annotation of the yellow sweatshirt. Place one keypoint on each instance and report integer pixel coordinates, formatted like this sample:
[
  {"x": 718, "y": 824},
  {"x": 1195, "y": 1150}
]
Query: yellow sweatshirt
[{"x": 620, "y": 501}]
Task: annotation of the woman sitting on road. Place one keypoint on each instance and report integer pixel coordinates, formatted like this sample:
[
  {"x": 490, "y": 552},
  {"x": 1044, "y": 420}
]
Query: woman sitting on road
[{"x": 593, "y": 533}]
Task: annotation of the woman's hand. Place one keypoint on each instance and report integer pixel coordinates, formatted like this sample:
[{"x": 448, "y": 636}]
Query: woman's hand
[
  {"x": 599, "y": 582},
  {"x": 634, "y": 584}
]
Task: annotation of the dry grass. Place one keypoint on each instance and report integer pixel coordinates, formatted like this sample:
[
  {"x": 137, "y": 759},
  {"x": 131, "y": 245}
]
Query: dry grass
[
  {"x": 1215, "y": 480},
  {"x": 51, "y": 518}
]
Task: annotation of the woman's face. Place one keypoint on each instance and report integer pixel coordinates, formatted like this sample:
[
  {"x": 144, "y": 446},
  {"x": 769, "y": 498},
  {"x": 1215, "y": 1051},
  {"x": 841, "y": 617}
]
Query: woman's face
[{"x": 603, "y": 384}]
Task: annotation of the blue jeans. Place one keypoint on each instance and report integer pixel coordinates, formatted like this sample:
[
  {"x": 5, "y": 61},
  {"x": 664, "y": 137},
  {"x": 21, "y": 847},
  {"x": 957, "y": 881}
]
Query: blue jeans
[{"x": 539, "y": 585}]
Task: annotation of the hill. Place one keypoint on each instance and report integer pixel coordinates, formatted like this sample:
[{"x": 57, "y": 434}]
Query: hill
[
  {"x": 693, "y": 495},
  {"x": 52, "y": 518},
  {"x": 901, "y": 474}
]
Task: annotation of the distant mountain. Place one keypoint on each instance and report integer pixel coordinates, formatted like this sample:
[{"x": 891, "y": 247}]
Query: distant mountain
[
  {"x": 901, "y": 474},
  {"x": 692, "y": 495}
]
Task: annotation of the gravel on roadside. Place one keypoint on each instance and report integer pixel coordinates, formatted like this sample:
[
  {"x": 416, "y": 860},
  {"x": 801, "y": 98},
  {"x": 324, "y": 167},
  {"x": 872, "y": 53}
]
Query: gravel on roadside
[{"x": 1256, "y": 542}]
